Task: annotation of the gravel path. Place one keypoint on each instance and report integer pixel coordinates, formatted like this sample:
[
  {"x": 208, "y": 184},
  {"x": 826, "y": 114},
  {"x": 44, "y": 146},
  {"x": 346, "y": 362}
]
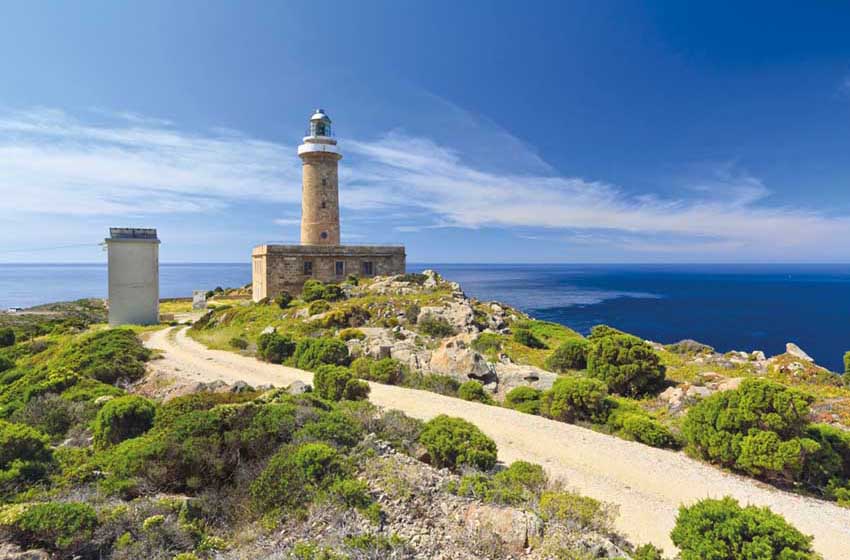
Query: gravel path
[{"x": 648, "y": 484}]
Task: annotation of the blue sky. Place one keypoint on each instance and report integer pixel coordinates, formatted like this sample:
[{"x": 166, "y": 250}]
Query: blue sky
[{"x": 472, "y": 131}]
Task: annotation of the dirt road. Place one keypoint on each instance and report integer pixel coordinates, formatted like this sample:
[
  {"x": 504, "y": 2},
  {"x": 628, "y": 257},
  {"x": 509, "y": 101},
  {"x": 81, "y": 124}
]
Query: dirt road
[{"x": 648, "y": 484}]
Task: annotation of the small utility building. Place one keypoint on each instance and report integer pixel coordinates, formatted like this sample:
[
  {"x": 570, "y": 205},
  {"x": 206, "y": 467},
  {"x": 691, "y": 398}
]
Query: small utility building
[{"x": 133, "y": 276}]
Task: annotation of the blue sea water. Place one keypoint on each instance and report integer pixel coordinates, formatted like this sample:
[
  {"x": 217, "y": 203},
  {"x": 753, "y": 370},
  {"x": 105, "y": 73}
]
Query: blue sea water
[{"x": 731, "y": 307}]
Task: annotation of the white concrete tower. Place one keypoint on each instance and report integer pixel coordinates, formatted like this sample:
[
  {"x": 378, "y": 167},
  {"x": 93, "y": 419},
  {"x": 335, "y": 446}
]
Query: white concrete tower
[
  {"x": 133, "y": 276},
  {"x": 320, "y": 183}
]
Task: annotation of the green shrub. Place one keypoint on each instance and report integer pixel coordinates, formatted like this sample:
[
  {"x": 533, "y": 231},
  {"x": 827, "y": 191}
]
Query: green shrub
[
  {"x": 435, "y": 325},
  {"x": 576, "y": 511},
  {"x": 337, "y": 383},
  {"x": 352, "y": 493},
  {"x": 25, "y": 455},
  {"x": 314, "y": 290},
  {"x": 441, "y": 384},
  {"x": 342, "y": 317},
  {"x": 275, "y": 348},
  {"x": 360, "y": 366},
  {"x": 648, "y": 552},
  {"x": 283, "y": 300},
  {"x": 107, "y": 356},
  {"x": 645, "y": 429},
  {"x": 318, "y": 306},
  {"x": 520, "y": 483},
  {"x": 7, "y": 337},
  {"x": 572, "y": 354},
  {"x": 847, "y": 362},
  {"x": 527, "y": 338},
  {"x": 575, "y": 398},
  {"x": 524, "y": 399},
  {"x": 293, "y": 475},
  {"x": 601, "y": 331},
  {"x": 310, "y": 353},
  {"x": 386, "y": 370},
  {"x": 52, "y": 414},
  {"x": 829, "y": 466},
  {"x": 239, "y": 343},
  {"x": 723, "y": 530},
  {"x": 628, "y": 365},
  {"x": 352, "y": 280},
  {"x": 352, "y": 334},
  {"x": 6, "y": 363},
  {"x": 123, "y": 418},
  {"x": 757, "y": 428},
  {"x": 65, "y": 527},
  {"x": 487, "y": 343},
  {"x": 334, "y": 427},
  {"x": 474, "y": 391},
  {"x": 454, "y": 442},
  {"x": 411, "y": 313}
]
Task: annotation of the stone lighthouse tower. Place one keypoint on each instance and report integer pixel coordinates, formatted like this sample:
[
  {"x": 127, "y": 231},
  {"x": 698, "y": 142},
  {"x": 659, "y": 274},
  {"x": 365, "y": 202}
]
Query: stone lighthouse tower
[{"x": 320, "y": 183}]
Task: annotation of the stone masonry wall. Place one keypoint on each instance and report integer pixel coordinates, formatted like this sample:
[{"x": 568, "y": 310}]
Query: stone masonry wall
[{"x": 280, "y": 268}]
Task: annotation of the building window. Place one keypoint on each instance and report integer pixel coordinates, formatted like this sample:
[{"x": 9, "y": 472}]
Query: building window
[
  {"x": 339, "y": 268},
  {"x": 324, "y": 235},
  {"x": 308, "y": 268},
  {"x": 366, "y": 268},
  {"x": 324, "y": 182},
  {"x": 324, "y": 204}
]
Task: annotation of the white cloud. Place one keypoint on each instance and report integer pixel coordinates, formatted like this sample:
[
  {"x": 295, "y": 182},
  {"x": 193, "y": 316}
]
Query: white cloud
[{"x": 52, "y": 163}]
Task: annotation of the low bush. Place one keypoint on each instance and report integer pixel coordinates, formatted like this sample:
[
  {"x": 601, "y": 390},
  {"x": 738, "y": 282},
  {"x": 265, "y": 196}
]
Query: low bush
[
  {"x": 435, "y": 325},
  {"x": 310, "y": 353},
  {"x": 360, "y": 366},
  {"x": 643, "y": 428},
  {"x": 318, "y": 306},
  {"x": 283, "y": 300},
  {"x": 107, "y": 356},
  {"x": 6, "y": 363},
  {"x": 575, "y": 398},
  {"x": 527, "y": 338},
  {"x": 123, "y": 418},
  {"x": 648, "y": 552},
  {"x": 333, "y": 427},
  {"x": 628, "y": 365},
  {"x": 25, "y": 455},
  {"x": 454, "y": 442},
  {"x": 524, "y": 399},
  {"x": 336, "y": 383},
  {"x": 349, "y": 316},
  {"x": 386, "y": 370},
  {"x": 827, "y": 470},
  {"x": 441, "y": 384},
  {"x": 570, "y": 355},
  {"x": 474, "y": 391},
  {"x": 723, "y": 530},
  {"x": 239, "y": 343},
  {"x": 487, "y": 343},
  {"x": 411, "y": 313},
  {"x": 293, "y": 475},
  {"x": 351, "y": 334},
  {"x": 275, "y": 348},
  {"x": 576, "y": 511},
  {"x": 847, "y": 362},
  {"x": 7, "y": 337},
  {"x": 57, "y": 526},
  {"x": 758, "y": 428},
  {"x": 520, "y": 483},
  {"x": 601, "y": 331},
  {"x": 314, "y": 290},
  {"x": 52, "y": 414},
  {"x": 689, "y": 347}
]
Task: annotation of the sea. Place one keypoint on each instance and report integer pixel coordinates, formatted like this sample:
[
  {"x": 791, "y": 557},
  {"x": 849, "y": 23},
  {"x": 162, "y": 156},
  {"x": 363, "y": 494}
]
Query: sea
[{"x": 728, "y": 306}]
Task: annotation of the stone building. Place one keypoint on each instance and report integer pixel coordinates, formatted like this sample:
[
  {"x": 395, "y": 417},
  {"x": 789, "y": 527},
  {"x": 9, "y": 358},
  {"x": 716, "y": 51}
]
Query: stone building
[
  {"x": 285, "y": 268},
  {"x": 133, "y": 257}
]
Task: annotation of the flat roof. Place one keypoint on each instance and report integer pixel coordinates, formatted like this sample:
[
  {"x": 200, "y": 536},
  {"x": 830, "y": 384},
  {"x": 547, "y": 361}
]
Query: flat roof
[{"x": 132, "y": 233}]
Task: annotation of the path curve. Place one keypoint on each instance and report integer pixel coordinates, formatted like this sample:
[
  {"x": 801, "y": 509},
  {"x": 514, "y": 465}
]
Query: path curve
[{"x": 647, "y": 484}]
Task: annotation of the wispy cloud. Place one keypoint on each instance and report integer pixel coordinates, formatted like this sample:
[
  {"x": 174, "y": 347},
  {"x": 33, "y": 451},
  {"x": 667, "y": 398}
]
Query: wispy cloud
[{"x": 53, "y": 163}]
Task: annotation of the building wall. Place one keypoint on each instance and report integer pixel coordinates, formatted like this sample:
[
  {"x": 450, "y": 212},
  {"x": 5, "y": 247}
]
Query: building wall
[
  {"x": 133, "y": 281},
  {"x": 320, "y": 199},
  {"x": 280, "y": 268}
]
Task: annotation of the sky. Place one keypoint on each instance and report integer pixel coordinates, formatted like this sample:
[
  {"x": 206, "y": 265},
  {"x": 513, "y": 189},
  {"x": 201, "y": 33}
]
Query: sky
[{"x": 471, "y": 131}]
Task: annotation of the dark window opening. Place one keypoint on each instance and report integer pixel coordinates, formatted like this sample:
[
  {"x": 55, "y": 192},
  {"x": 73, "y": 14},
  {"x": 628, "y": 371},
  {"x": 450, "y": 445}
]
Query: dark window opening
[
  {"x": 324, "y": 204},
  {"x": 366, "y": 268},
  {"x": 324, "y": 235},
  {"x": 308, "y": 268},
  {"x": 324, "y": 182},
  {"x": 339, "y": 268}
]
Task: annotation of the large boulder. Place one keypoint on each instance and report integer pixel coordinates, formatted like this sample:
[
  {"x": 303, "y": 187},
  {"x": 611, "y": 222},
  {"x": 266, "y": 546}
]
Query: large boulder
[
  {"x": 797, "y": 352},
  {"x": 459, "y": 314},
  {"x": 456, "y": 358},
  {"x": 512, "y": 375},
  {"x": 514, "y": 527}
]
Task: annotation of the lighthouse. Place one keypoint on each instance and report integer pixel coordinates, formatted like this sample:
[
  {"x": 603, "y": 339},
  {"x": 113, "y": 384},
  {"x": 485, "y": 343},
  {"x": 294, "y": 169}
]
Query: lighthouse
[
  {"x": 319, "y": 183},
  {"x": 320, "y": 255}
]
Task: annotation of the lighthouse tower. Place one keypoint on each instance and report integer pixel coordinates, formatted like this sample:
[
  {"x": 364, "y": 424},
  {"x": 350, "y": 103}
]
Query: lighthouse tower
[{"x": 320, "y": 183}]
